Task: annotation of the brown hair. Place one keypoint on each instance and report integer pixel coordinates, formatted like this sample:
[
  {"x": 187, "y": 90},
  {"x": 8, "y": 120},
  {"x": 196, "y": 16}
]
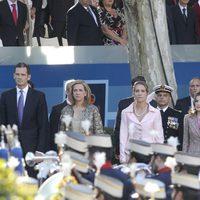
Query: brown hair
[
  {"x": 141, "y": 83},
  {"x": 23, "y": 65},
  {"x": 86, "y": 88}
]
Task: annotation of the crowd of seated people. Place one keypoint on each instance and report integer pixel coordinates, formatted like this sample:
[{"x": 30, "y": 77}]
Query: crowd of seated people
[{"x": 49, "y": 19}]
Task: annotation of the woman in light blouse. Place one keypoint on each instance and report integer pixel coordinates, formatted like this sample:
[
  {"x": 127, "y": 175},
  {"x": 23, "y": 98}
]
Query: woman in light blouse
[
  {"x": 191, "y": 133},
  {"x": 139, "y": 121},
  {"x": 81, "y": 110}
]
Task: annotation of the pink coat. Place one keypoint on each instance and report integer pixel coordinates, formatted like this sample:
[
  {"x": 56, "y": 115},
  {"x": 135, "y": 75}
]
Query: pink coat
[{"x": 151, "y": 121}]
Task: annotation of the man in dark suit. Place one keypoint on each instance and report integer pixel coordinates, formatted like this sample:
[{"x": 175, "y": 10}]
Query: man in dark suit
[
  {"x": 26, "y": 108},
  {"x": 170, "y": 25},
  {"x": 13, "y": 16},
  {"x": 172, "y": 120},
  {"x": 171, "y": 2},
  {"x": 184, "y": 19},
  {"x": 54, "y": 118},
  {"x": 83, "y": 25},
  {"x": 124, "y": 103},
  {"x": 58, "y": 11},
  {"x": 40, "y": 12},
  {"x": 185, "y": 104}
]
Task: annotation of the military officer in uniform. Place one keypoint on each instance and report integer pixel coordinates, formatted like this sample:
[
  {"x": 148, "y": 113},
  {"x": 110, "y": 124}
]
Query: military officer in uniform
[{"x": 172, "y": 120}]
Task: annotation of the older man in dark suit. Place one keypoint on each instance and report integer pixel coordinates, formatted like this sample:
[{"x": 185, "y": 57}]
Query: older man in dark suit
[
  {"x": 184, "y": 19},
  {"x": 54, "y": 118},
  {"x": 185, "y": 104},
  {"x": 13, "y": 16},
  {"x": 83, "y": 25},
  {"x": 26, "y": 108}
]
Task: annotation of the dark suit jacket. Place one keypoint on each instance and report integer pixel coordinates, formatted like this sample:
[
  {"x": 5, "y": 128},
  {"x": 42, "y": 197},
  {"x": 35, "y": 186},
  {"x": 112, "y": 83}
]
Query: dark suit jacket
[
  {"x": 81, "y": 27},
  {"x": 58, "y": 9},
  {"x": 170, "y": 2},
  {"x": 123, "y": 103},
  {"x": 185, "y": 32},
  {"x": 33, "y": 133},
  {"x": 54, "y": 120},
  {"x": 172, "y": 122},
  {"x": 38, "y": 5},
  {"x": 183, "y": 105},
  {"x": 58, "y": 12},
  {"x": 8, "y": 31},
  {"x": 41, "y": 18},
  {"x": 170, "y": 25},
  {"x": 196, "y": 7}
]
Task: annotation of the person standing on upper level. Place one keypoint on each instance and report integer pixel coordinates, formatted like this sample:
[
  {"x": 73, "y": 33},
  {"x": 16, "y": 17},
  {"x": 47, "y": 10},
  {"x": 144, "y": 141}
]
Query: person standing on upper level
[
  {"x": 184, "y": 20},
  {"x": 13, "y": 16},
  {"x": 83, "y": 25}
]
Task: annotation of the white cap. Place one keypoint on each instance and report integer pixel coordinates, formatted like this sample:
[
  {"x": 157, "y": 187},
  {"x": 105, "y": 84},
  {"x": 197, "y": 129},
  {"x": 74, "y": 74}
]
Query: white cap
[
  {"x": 164, "y": 149},
  {"x": 163, "y": 88},
  {"x": 186, "y": 180},
  {"x": 76, "y": 141},
  {"x": 139, "y": 146},
  {"x": 187, "y": 159},
  {"x": 109, "y": 185},
  {"x": 78, "y": 192},
  {"x": 150, "y": 188},
  {"x": 99, "y": 140},
  {"x": 81, "y": 163}
]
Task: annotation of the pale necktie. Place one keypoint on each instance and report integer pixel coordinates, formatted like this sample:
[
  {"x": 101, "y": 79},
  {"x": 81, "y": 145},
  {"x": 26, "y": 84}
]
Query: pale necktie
[
  {"x": 184, "y": 14},
  {"x": 93, "y": 16},
  {"x": 20, "y": 107}
]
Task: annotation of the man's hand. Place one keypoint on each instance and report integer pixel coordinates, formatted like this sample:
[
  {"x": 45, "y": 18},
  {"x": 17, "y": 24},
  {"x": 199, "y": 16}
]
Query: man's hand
[{"x": 33, "y": 11}]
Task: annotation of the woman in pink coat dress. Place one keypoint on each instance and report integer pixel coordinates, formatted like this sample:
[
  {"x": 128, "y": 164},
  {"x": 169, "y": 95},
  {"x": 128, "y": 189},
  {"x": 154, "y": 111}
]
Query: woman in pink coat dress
[{"x": 139, "y": 121}]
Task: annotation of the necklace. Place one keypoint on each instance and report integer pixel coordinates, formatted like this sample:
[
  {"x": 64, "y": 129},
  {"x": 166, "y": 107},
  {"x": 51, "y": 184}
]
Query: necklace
[{"x": 141, "y": 114}]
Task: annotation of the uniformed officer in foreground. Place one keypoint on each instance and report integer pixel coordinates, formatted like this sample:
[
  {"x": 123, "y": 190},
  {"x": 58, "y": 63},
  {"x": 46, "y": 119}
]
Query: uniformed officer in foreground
[{"x": 172, "y": 120}]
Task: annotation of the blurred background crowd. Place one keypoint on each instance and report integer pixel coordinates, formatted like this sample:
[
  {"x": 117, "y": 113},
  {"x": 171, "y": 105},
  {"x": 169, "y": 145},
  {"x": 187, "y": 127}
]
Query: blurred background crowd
[{"x": 86, "y": 22}]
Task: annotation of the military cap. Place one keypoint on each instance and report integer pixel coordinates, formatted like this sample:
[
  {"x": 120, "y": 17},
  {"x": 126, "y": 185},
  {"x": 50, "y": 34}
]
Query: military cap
[
  {"x": 187, "y": 159},
  {"x": 99, "y": 140},
  {"x": 164, "y": 149},
  {"x": 139, "y": 146},
  {"x": 186, "y": 180},
  {"x": 163, "y": 88},
  {"x": 109, "y": 185},
  {"x": 82, "y": 163},
  {"x": 76, "y": 141},
  {"x": 78, "y": 192},
  {"x": 150, "y": 188}
]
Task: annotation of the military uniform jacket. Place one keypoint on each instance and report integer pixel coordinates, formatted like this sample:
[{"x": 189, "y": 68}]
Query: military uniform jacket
[{"x": 172, "y": 122}]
